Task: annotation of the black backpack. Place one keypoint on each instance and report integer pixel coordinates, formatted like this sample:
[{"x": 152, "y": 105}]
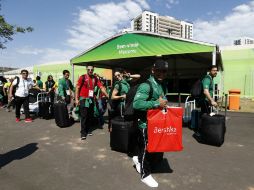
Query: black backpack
[
  {"x": 197, "y": 89},
  {"x": 114, "y": 103},
  {"x": 129, "y": 112},
  {"x": 15, "y": 86}
]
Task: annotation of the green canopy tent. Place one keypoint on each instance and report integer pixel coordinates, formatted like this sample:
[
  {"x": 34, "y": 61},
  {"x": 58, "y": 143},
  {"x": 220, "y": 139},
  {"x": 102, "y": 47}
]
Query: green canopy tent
[{"x": 136, "y": 51}]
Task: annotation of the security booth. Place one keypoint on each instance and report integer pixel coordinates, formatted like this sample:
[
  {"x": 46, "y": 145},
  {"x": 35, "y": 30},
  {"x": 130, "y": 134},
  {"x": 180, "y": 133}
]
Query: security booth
[{"x": 136, "y": 51}]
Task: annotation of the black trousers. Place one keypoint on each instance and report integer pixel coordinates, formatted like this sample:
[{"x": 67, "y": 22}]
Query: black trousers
[
  {"x": 147, "y": 160},
  {"x": 19, "y": 101},
  {"x": 86, "y": 117},
  {"x": 143, "y": 155},
  {"x": 205, "y": 107}
]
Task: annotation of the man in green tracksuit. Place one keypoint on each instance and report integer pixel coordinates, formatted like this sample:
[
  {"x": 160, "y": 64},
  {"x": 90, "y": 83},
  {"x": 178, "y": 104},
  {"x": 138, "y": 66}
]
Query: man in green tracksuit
[
  {"x": 65, "y": 87},
  {"x": 141, "y": 103},
  {"x": 206, "y": 100}
]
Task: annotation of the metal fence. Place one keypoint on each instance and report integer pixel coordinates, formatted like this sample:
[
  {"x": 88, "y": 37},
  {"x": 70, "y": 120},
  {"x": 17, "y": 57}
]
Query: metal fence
[{"x": 246, "y": 103}]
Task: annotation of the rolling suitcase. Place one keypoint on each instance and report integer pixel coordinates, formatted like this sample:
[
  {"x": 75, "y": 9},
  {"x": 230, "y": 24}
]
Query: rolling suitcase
[
  {"x": 213, "y": 129},
  {"x": 123, "y": 135},
  {"x": 195, "y": 117},
  {"x": 62, "y": 118},
  {"x": 45, "y": 110},
  {"x": 44, "y": 105}
]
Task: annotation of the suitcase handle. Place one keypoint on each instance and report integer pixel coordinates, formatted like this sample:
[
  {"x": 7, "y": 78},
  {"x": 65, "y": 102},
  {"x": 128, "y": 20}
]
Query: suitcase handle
[{"x": 121, "y": 110}]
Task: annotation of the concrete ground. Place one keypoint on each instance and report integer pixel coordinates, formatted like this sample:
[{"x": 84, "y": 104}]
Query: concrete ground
[{"x": 41, "y": 156}]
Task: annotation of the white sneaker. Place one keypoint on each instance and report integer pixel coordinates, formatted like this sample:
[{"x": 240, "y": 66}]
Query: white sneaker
[
  {"x": 150, "y": 181},
  {"x": 136, "y": 163}
]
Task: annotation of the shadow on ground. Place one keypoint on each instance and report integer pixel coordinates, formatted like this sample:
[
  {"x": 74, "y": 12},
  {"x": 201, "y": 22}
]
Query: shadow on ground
[
  {"x": 17, "y": 154},
  {"x": 162, "y": 167}
]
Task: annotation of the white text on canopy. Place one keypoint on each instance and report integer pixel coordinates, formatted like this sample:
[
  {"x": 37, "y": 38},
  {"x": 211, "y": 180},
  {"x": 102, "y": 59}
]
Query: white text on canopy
[{"x": 130, "y": 48}]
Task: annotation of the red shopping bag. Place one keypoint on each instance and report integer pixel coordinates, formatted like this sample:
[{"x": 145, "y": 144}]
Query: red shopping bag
[{"x": 165, "y": 130}]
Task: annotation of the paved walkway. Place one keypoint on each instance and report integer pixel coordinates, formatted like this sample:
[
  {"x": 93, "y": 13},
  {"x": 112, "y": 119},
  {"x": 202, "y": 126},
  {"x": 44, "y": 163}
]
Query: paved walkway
[{"x": 41, "y": 156}]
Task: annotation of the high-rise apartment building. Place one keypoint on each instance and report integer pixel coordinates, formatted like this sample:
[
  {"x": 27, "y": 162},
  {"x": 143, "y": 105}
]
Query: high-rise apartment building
[
  {"x": 244, "y": 41},
  {"x": 165, "y": 25},
  {"x": 147, "y": 21},
  {"x": 186, "y": 30}
]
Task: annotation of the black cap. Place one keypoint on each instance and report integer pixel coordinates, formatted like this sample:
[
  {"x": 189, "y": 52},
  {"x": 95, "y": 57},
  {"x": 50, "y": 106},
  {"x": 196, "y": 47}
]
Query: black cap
[{"x": 160, "y": 64}]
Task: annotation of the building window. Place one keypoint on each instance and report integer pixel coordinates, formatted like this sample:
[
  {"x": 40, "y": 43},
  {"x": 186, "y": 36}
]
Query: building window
[{"x": 237, "y": 42}]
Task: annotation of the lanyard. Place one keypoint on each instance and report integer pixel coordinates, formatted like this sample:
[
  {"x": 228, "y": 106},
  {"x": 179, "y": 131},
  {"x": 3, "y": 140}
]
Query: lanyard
[{"x": 24, "y": 84}]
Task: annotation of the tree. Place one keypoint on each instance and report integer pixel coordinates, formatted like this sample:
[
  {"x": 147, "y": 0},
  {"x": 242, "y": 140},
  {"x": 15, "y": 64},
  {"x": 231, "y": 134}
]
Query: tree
[{"x": 7, "y": 30}]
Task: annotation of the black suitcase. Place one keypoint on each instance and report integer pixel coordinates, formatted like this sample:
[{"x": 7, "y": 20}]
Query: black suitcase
[
  {"x": 213, "y": 129},
  {"x": 45, "y": 110},
  {"x": 62, "y": 118},
  {"x": 195, "y": 117},
  {"x": 123, "y": 137}
]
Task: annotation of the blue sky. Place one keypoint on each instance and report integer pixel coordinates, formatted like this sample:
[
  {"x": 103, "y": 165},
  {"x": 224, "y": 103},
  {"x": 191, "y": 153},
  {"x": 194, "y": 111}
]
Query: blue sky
[{"x": 65, "y": 28}]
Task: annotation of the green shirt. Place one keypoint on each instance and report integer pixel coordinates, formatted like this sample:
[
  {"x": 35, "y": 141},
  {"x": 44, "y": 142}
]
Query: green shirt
[
  {"x": 207, "y": 83},
  {"x": 39, "y": 84},
  {"x": 140, "y": 100},
  {"x": 125, "y": 87},
  {"x": 64, "y": 85}
]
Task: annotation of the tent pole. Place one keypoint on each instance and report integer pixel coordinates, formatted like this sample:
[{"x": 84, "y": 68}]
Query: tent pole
[
  {"x": 214, "y": 63},
  {"x": 73, "y": 74},
  {"x": 214, "y": 57}
]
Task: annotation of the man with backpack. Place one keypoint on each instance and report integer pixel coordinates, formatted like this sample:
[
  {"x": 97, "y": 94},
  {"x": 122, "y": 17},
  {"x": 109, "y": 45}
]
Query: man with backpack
[
  {"x": 206, "y": 99},
  {"x": 85, "y": 99},
  {"x": 202, "y": 91},
  {"x": 22, "y": 85},
  {"x": 142, "y": 103}
]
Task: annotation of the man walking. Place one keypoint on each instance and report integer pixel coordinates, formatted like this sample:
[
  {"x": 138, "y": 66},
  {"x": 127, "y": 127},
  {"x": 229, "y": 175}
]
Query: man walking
[
  {"x": 206, "y": 100},
  {"x": 142, "y": 104},
  {"x": 86, "y": 100},
  {"x": 23, "y": 85}
]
